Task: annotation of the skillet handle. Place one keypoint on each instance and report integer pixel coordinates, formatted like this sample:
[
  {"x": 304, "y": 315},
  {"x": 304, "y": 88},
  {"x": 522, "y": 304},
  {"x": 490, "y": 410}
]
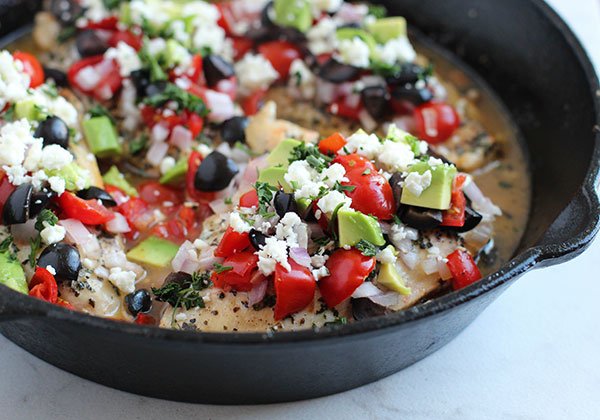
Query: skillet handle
[{"x": 574, "y": 229}]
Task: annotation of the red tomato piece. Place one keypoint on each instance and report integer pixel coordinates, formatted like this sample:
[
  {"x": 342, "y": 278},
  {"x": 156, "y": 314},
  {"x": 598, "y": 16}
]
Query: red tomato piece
[
  {"x": 43, "y": 286},
  {"x": 294, "y": 289},
  {"x": 348, "y": 269},
  {"x": 463, "y": 269},
  {"x": 238, "y": 273},
  {"x": 436, "y": 121},
  {"x": 340, "y": 108},
  {"x": 64, "y": 304},
  {"x": 196, "y": 73},
  {"x": 249, "y": 199},
  {"x": 153, "y": 192},
  {"x": 355, "y": 162},
  {"x": 455, "y": 215},
  {"x": 372, "y": 193},
  {"x": 88, "y": 212},
  {"x": 134, "y": 41},
  {"x": 200, "y": 196},
  {"x": 241, "y": 46},
  {"x": 106, "y": 86},
  {"x": 145, "y": 319},
  {"x": 227, "y": 19},
  {"x": 6, "y": 189},
  {"x": 280, "y": 54},
  {"x": 251, "y": 104},
  {"x": 232, "y": 242},
  {"x": 32, "y": 67},
  {"x": 332, "y": 144},
  {"x": 109, "y": 24}
]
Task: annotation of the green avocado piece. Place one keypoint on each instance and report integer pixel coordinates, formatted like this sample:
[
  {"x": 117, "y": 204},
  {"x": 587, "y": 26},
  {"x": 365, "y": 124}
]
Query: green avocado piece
[
  {"x": 388, "y": 28},
  {"x": 438, "y": 194},
  {"x": 274, "y": 176},
  {"x": 354, "y": 226},
  {"x": 29, "y": 110},
  {"x": 12, "y": 274},
  {"x": 117, "y": 179},
  {"x": 280, "y": 155},
  {"x": 154, "y": 251},
  {"x": 75, "y": 177},
  {"x": 176, "y": 174},
  {"x": 350, "y": 33},
  {"x": 390, "y": 277},
  {"x": 101, "y": 137},
  {"x": 175, "y": 53},
  {"x": 293, "y": 13},
  {"x": 304, "y": 204}
]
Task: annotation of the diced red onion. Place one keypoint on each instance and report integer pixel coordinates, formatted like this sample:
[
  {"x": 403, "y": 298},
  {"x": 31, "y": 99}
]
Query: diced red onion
[
  {"x": 385, "y": 227},
  {"x": 345, "y": 89},
  {"x": 366, "y": 120},
  {"x": 78, "y": 234},
  {"x": 367, "y": 289},
  {"x": 186, "y": 259},
  {"x": 387, "y": 299},
  {"x": 372, "y": 80},
  {"x": 258, "y": 292},
  {"x": 207, "y": 258},
  {"x": 300, "y": 255},
  {"x": 118, "y": 225},
  {"x": 218, "y": 206},
  {"x": 23, "y": 232},
  {"x": 326, "y": 91},
  {"x": 250, "y": 175},
  {"x": 88, "y": 78},
  {"x": 221, "y": 106},
  {"x": 159, "y": 133},
  {"x": 481, "y": 203},
  {"x": 406, "y": 123},
  {"x": 410, "y": 258},
  {"x": 224, "y": 148},
  {"x": 429, "y": 266},
  {"x": 444, "y": 271},
  {"x": 181, "y": 138},
  {"x": 352, "y": 13},
  {"x": 156, "y": 153},
  {"x": 352, "y": 100}
]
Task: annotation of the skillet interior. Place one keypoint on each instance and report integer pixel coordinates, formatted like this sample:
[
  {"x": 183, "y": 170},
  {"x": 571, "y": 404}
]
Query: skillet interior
[{"x": 556, "y": 119}]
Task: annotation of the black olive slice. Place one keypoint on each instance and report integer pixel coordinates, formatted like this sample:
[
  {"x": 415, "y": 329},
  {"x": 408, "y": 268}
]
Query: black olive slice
[
  {"x": 234, "y": 130},
  {"x": 375, "y": 100},
  {"x": 472, "y": 219},
  {"x": 39, "y": 201},
  {"x": 284, "y": 203},
  {"x": 395, "y": 181},
  {"x": 335, "y": 72},
  {"x": 92, "y": 193},
  {"x": 88, "y": 43},
  {"x": 59, "y": 76},
  {"x": 409, "y": 73},
  {"x": 65, "y": 260},
  {"x": 141, "y": 80},
  {"x": 53, "y": 130},
  {"x": 16, "y": 208},
  {"x": 139, "y": 301},
  {"x": 216, "y": 69},
  {"x": 420, "y": 218},
  {"x": 178, "y": 277},
  {"x": 363, "y": 308},
  {"x": 215, "y": 172},
  {"x": 155, "y": 88},
  {"x": 412, "y": 94},
  {"x": 66, "y": 11},
  {"x": 257, "y": 238}
]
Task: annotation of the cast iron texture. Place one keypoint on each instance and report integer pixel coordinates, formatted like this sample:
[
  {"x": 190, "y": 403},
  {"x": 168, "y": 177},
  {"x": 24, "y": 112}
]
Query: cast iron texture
[{"x": 536, "y": 66}]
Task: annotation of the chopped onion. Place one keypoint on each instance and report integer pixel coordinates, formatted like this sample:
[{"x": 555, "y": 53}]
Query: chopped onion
[
  {"x": 300, "y": 255},
  {"x": 250, "y": 175},
  {"x": 88, "y": 78},
  {"x": 367, "y": 289},
  {"x": 387, "y": 299},
  {"x": 156, "y": 153},
  {"x": 345, "y": 89},
  {"x": 221, "y": 106},
  {"x": 23, "y": 232},
  {"x": 385, "y": 227},
  {"x": 218, "y": 206},
  {"x": 186, "y": 259},
  {"x": 78, "y": 234},
  {"x": 326, "y": 91},
  {"x": 258, "y": 292},
  {"x": 444, "y": 271},
  {"x": 429, "y": 265},
  {"x": 118, "y": 225},
  {"x": 181, "y": 138},
  {"x": 481, "y": 203},
  {"x": 352, "y": 13},
  {"x": 406, "y": 123},
  {"x": 367, "y": 122},
  {"x": 352, "y": 100},
  {"x": 224, "y": 148},
  {"x": 159, "y": 133},
  {"x": 410, "y": 258},
  {"x": 372, "y": 80},
  {"x": 207, "y": 258}
]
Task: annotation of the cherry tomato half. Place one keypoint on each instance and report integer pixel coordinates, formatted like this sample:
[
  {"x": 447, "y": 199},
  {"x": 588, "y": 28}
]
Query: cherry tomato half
[
  {"x": 280, "y": 54},
  {"x": 372, "y": 193},
  {"x": 88, "y": 212},
  {"x": 463, "y": 269},
  {"x": 43, "y": 286},
  {"x": 294, "y": 289},
  {"x": 155, "y": 193},
  {"x": 232, "y": 242},
  {"x": 436, "y": 121},
  {"x": 32, "y": 67}
]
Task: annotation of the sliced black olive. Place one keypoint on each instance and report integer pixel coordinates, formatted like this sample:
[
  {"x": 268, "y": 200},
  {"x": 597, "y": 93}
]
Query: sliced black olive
[
  {"x": 472, "y": 219},
  {"x": 59, "y": 76},
  {"x": 39, "y": 201},
  {"x": 409, "y": 73},
  {"x": 257, "y": 238},
  {"x": 395, "y": 181},
  {"x": 284, "y": 203},
  {"x": 363, "y": 308},
  {"x": 375, "y": 100},
  {"x": 420, "y": 218},
  {"x": 155, "y": 88},
  {"x": 65, "y": 260},
  {"x": 409, "y": 92},
  {"x": 16, "y": 208},
  {"x": 234, "y": 130},
  {"x": 216, "y": 69},
  {"x": 89, "y": 43},
  {"x": 335, "y": 72},
  {"x": 138, "y": 301},
  {"x": 66, "y": 11},
  {"x": 215, "y": 172},
  {"x": 53, "y": 130},
  {"x": 265, "y": 15},
  {"x": 262, "y": 34},
  {"x": 178, "y": 277},
  {"x": 141, "y": 80},
  {"x": 98, "y": 194}
]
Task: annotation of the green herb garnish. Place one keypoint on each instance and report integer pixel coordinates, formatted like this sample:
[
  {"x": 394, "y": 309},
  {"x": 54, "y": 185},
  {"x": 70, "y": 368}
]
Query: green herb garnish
[
  {"x": 183, "y": 99},
  {"x": 218, "y": 268},
  {"x": 367, "y": 248},
  {"x": 265, "y": 193},
  {"x": 311, "y": 155},
  {"x": 377, "y": 11},
  {"x": 184, "y": 294},
  {"x": 99, "y": 111},
  {"x": 45, "y": 216}
]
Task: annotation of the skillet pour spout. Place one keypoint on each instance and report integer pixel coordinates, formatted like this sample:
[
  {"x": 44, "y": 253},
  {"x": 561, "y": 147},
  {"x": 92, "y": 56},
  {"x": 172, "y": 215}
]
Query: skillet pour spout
[{"x": 504, "y": 42}]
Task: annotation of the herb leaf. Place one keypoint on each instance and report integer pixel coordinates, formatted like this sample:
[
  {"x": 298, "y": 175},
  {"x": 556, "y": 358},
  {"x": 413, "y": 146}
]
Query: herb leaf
[
  {"x": 183, "y": 99},
  {"x": 367, "y": 248},
  {"x": 184, "y": 294},
  {"x": 265, "y": 194},
  {"x": 311, "y": 155},
  {"x": 221, "y": 268},
  {"x": 45, "y": 216}
]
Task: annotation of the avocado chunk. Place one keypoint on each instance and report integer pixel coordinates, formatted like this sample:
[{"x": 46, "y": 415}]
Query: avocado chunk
[
  {"x": 154, "y": 251},
  {"x": 12, "y": 274},
  {"x": 293, "y": 13},
  {"x": 353, "y": 226},
  {"x": 101, "y": 137},
  {"x": 75, "y": 177},
  {"x": 437, "y": 196},
  {"x": 388, "y": 28},
  {"x": 29, "y": 110},
  {"x": 275, "y": 177},
  {"x": 176, "y": 174},
  {"x": 117, "y": 179},
  {"x": 280, "y": 156},
  {"x": 351, "y": 33},
  {"x": 390, "y": 277},
  {"x": 175, "y": 53}
]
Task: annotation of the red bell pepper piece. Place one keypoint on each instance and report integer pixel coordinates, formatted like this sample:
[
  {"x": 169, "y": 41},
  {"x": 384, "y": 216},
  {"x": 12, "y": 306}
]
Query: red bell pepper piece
[
  {"x": 332, "y": 144},
  {"x": 6, "y": 189},
  {"x": 249, "y": 199},
  {"x": 251, "y": 104},
  {"x": 145, "y": 319},
  {"x": 238, "y": 271},
  {"x": 341, "y": 108},
  {"x": 108, "y": 24},
  {"x": 32, "y": 67},
  {"x": 463, "y": 269},
  {"x": 200, "y": 196},
  {"x": 43, "y": 286},
  {"x": 232, "y": 242},
  {"x": 134, "y": 41},
  {"x": 294, "y": 289},
  {"x": 106, "y": 87},
  {"x": 455, "y": 215},
  {"x": 88, "y": 212}
]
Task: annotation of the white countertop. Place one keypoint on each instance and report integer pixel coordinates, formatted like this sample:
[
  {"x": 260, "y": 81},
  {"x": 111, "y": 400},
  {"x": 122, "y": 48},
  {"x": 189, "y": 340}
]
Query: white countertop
[{"x": 533, "y": 354}]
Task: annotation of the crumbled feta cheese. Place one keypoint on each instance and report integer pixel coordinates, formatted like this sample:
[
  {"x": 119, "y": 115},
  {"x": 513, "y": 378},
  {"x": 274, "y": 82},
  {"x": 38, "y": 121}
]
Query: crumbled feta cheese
[
  {"x": 321, "y": 37},
  {"x": 396, "y": 156},
  {"x": 55, "y": 157},
  {"x": 329, "y": 6},
  {"x": 201, "y": 11},
  {"x": 300, "y": 172},
  {"x": 17, "y": 175},
  {"x": 51, "y": 234},
  {"x": 401, "y": 232},
  {"x": 204, "y": 150},
  {"x": 318, "y": 260},
  {"x": 211, "y": 37},
  {"x": 122, "y": 280},
  {"x": 273, "y": 252},
  {"x": 330, "y": 201},
  {"x": 364, "y": 144},
  {"x": 57, "y": 106},
  {"x": 14, "y": 138},
  {"x": 101, "y": 272},
  {"x": 237, "y": 223},
  {"x": 95, "y": 10},
  {"x": 177, "y": 28},
  {"x": 292, "y": 230},
  {"x": 302, "y": 78},
  {"x": 37, "y": 179},
  {"x": 398, "y": 50},
  {"x": 13, "y": 80},
  {"x": 254, "y": 72},
  {"x": 417, "y": 183},
  {"x": 156, "y": 46},
  {"x": 57, "y": 184},
  {"x": 354, "y": 51},
  {"x": 89, "y": 263},
  {"x": 167, "y": 164},
  {"x": 319, "y": 273},
  {"x": 433, "y": 162},
  {"x": 386, "y": 255},
  {"x": 333, "y": 174},
  {"x": 126, "y": 56}
]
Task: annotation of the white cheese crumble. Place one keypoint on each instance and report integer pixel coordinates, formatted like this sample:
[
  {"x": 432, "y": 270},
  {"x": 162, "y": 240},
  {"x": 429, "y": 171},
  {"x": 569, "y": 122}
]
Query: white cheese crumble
[
  {"x": 55, "y": 157},
  {"x": 364, "y": 144},
  {"x": 321, "y": 37},
  {"x": 386, "y": 255},
  {"x": 13, "y": 80},
  {"x": 329, "y": 6},
  {"x": 210, "y": 36},
  {"x": 302, "y": 79},
  {"x": 396, "y": 156},
  {"x": 254, "y": 72},
  {"x": 14, "y": 137},
  {"x": 122, "y": 280},
  {"x": 273, "y": 252},
  {"x": 126, "y": 56},
  {"x": 292, "y": 230},
  {"x": 333, "y": 174},
  {"x": 167, "y": 164},
  {"x": 57, "y": 184},
  {"x": 237, "y": 223},
  {"x": 330, "y": 201},
  {"x": 417, "y": 183},
  {"x": 354, "y": 51},
  {"x": 433, "y": 162},
  {"x": 51, "y": 234},
  {"x": 398, "y": 50}
]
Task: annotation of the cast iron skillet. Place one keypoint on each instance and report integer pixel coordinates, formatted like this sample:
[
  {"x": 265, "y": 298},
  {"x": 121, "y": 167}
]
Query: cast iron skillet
[{"x": 533, "y": 62}]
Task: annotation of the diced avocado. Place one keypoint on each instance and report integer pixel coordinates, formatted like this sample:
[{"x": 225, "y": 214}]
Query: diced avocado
[
  {"x": 280, "y": 156},
  {"x": 154, "y": 251},
  {"x": 293, "y": 13},
  {"x": 437, "y": 195},
  {"x": 101, "y": 137},
  {"x": 12, "y": 274},
  {"x": 303, "y": 205},
  {"x": 350, "y": 33},
  {"x": 117, "y": 179},
  {"x": 175, "y": 53},
  {"x": 391, "y": 278},
  {"x": 176, "y": 174},
  {"x": 29, "y": 110},
  {"x": 275, "y": 176},
  {"x": 76, "y": 178},
  {"x": 398, "y": 135},
  {"x": 354, "y": 226},
  {"x": 388, "y": 28}
]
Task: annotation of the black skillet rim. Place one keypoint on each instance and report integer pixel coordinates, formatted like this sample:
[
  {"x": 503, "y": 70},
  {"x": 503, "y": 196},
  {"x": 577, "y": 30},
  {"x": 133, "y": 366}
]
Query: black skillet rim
[{"x": 525, "y": 261}]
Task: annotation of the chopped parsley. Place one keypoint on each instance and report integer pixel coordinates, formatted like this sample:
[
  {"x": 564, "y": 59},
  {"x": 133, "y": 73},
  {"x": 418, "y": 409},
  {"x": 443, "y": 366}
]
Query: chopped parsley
[
  {"x": 311, "y": 155},
  {"x": 339, "y": 320},
  {"x": 7, "y": 246},
  {"x": 66, "y": 33},
  {"x": 183, "y": 99},
  {"x": 100, "y": 111},
  {"x": 377, "y": 11},
  {"x": 265, "y": 194},
  {"x": 35, "y": 244},
  {"x": 184, "y": 294},
  {"x": 343, "y": 188},
  {"x": 151, "y": 63},
  {"x": 45, "y": 216},
  {"x": 9, "y": 114},
  {"x": 367, "y": 248},
  {"x": 138, "y": 144},
  {"x": 221, "y": 268}
]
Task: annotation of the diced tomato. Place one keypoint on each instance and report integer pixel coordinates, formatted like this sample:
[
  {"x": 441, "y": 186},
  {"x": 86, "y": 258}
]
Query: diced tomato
[
  {"x": 200, "y": 196},
  {"x": 249, "y": 199},
  {"x": 196, "y": 74},
  {"x": 64, "y": 304},
  {"x": 238, "y": 271},
  {"x": 355, "y": 162},
  {"x": 155, "y": 193},
  {"x": 436, "y": 121},
  {"x": 194, "y": 123},
  {"x": 88, "y": 212},
  {"x": 145, "y": 319},
  {"x": 199, "y": 91},
  {"x": 294, "y": 289},
  {"x": 241, "y": 46},
  {"x": 280, "y": 54},
  {"x": 455, "y": 215},
  {"x": 251, "y": 104},
  {"x": 43, "y": 285},
  {"x": 232, "y": 242},
  {"x": 463, "y": 269},
  {"x": 332, "y": 144},
  {"x": 348, "y": 269},
  {"x": 183, "y": 224},
  {"x": 6, "y": 189},
  {"x": 32, "y": 67},
  {"x": 106, "y": 87},
  {"x": 109, "y": 24},
  {"x": 372, "y": 193},
  {"x": 341, "y": 108},
  {"x": 116, "y": 193},
  {"x": 227, "y": 19},
  {"x": 134, "y": 41}
]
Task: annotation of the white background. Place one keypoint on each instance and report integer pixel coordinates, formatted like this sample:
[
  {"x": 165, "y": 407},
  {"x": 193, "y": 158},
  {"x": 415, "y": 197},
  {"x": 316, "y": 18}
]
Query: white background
[{"x": 535, "y": 353}]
